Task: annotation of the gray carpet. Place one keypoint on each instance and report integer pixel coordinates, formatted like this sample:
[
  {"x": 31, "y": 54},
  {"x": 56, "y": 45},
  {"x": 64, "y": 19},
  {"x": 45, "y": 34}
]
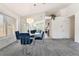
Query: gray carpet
[{"x": 48, "y": 47}]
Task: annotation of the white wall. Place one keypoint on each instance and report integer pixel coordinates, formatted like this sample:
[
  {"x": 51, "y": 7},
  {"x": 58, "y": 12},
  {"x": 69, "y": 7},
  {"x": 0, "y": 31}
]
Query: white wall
[
  {"x": 61, "y": 27},
  {"x": 23, "y": 24},
  {"x": 73, "y": 9},
  {"x": 72, "y": 27},
  {"x": 18, "y": 23},
  {"x": 9, "y": 39}
]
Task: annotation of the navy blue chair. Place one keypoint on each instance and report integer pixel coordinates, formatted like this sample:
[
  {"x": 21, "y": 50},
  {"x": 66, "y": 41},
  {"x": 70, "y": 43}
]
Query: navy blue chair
[
  {"x": 25, "y": 38},
  {"x": 24, "y": 35},
  {"x": 25, "y": 42},
  {"x": 17, "y": 35}
]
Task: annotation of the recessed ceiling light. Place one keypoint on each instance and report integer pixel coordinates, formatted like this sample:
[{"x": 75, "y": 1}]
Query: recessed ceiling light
[{"x": 34, "y": 4}]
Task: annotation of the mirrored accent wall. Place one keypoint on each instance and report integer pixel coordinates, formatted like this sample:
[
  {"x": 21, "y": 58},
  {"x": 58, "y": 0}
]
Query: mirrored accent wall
[
  {"x": 7, "y": 25},
  {"x": 33, "y": 22},
  {"x": 2, "y": 26}
]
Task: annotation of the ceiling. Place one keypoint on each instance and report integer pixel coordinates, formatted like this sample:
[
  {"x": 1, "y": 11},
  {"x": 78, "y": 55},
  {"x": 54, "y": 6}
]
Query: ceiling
[{"x": 24, "y": 9}]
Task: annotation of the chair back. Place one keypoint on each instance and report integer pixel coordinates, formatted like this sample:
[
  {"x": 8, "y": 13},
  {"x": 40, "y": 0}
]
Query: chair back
[
  {"x": 25, "y": 38},
  {"x": 33, "y": 31},
  {"x": 24, "y": 35},
  {"x": 17, "y": 35}
]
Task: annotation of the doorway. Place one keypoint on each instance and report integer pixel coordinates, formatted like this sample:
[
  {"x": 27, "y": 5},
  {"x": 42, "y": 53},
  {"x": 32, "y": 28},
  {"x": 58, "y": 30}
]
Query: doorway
[{"x": 72, "y": 27}]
